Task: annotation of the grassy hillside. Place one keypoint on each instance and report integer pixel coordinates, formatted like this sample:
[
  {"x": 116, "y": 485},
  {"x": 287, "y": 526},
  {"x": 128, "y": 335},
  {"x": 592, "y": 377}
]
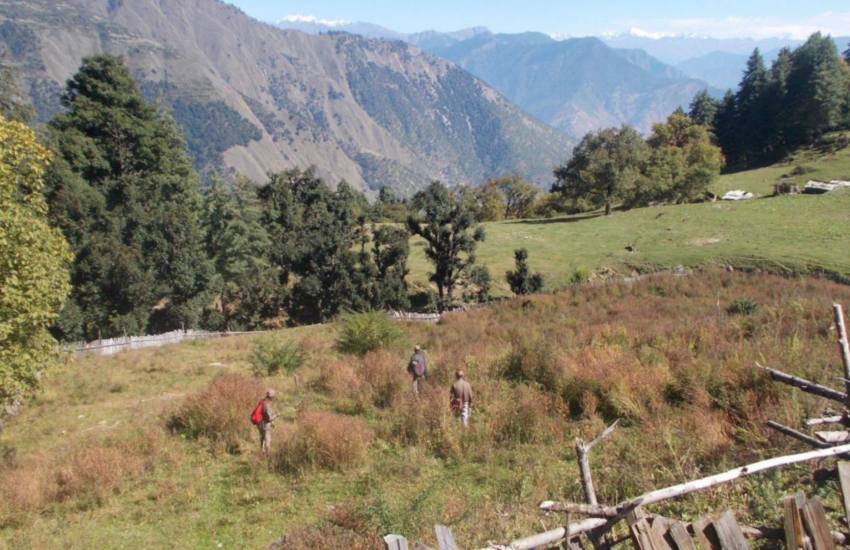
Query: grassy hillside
[
  {"x": 796, "y": 233},
  {"x": 92, "y": 463},
  {"x": 826, "y": 161},
  {"x": 800, "y": 233}
]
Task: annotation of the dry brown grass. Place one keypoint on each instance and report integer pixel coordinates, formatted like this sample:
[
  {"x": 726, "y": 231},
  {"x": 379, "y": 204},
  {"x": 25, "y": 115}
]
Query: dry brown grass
[
  {"x": 82, "y": 475},
  {"x": 321, "y": 440},
  {"x": 221, "y": 411}
]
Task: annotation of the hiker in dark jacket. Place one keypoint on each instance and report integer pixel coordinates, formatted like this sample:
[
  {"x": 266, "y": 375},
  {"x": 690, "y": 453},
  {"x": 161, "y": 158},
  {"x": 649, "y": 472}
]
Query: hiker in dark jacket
[
  {"x": 265, "y": 427},
  {"x": 417, "y": 368},
  {"x": 461, "y": 398}
]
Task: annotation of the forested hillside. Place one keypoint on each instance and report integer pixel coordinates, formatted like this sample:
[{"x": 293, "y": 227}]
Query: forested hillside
[{"x": 255, "y": 99}]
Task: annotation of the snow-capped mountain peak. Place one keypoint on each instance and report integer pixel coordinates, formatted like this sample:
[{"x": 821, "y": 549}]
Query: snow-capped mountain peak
[{"x": 312, "y": 19}]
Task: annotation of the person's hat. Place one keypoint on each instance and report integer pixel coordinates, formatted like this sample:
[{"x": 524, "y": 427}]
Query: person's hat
[
  {"x": 417, "y": 348},
  {"x": 270, "y": 393},
  {"x": 459, "y": 374}
]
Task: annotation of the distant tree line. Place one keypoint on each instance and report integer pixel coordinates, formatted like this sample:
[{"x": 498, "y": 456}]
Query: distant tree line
[{"x": 804, "y": 94}]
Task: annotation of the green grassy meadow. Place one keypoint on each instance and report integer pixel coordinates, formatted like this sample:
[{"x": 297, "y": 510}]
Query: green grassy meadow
[{"x": 791, "y": 233}]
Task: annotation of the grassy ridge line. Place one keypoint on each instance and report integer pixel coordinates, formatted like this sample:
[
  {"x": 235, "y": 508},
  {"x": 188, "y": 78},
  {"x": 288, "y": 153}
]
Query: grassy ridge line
[{"x": 796, "y": 233}]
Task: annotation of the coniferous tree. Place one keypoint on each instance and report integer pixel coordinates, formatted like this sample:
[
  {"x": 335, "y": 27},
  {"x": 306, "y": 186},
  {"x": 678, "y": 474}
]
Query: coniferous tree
[
  {"x": 726, "y": 127},
  {"x": 521, "y": 280},
  {"x": 703, "y": 109},
  {"x": 816, "y": 89},
  {"x": 750, "y": 121},
  {"x": 312, "y": 234},
  {"x": 775, "y": 97},
  {"x": 124, "y": 193},
  {"x": 237, "y": 243},
  {"x": 449, "y": 227}
]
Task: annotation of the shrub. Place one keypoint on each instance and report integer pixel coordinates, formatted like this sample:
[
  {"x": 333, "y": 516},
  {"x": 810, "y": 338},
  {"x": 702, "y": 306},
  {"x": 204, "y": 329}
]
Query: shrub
[
  {"x": 580, "y": 276},
  {"x": 534, "y": 361},
  {"x": 522, "y": 281},
  {"x": 426, "y": 421},
  {"x": 221, "y": 412},
  {"x": 322, "y": 440},
  {"x": 271, "y": 357},
  {"x": 365, "y": 332},
  {"x": 742, "y": 306},
  {"x": 529, "y": 417}
]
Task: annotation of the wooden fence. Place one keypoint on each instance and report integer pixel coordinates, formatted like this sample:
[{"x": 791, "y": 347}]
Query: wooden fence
[{"x": 110, "y": 346}]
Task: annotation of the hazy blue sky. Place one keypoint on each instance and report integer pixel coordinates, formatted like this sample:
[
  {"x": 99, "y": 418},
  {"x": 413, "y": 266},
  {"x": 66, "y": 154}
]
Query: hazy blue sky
[{"x": 724, "y": 18}]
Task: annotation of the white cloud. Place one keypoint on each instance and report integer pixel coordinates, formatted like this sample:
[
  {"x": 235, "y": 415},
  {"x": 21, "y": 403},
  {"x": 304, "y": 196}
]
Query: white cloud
[
  {"x": 834, "y": 23},
  {"x": 314, "y": 20}
]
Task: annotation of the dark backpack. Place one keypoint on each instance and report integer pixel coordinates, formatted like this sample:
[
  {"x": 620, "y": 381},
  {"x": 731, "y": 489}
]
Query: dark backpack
[
  {"x": 417, "y": 366},
  {"x": 257, "y": 415}
]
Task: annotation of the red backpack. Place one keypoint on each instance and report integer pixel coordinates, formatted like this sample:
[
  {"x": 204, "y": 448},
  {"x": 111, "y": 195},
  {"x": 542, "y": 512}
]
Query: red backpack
[{"x": 257, "y": 415}]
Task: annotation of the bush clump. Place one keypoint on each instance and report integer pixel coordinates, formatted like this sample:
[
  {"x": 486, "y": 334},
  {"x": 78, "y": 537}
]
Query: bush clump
[
  {"x": 272, "y": 357},
  {"x": 742, "y": 306},
  {"x": 369, "y": 331},
  {"x": 220, "y": 412},
  {"x": 322, "y": 440}
]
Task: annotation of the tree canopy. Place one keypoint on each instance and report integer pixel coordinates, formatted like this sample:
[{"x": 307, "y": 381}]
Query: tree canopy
[
  {"x": 124, "y": 193},
  {"x": 33, "y": 276},
  {"x": 448, "y": 226},
  {"x": 605, "y": 168}
]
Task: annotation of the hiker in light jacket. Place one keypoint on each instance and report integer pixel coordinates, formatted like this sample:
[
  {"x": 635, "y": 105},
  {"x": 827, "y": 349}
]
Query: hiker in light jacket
[{"x": 460, "y": 398}]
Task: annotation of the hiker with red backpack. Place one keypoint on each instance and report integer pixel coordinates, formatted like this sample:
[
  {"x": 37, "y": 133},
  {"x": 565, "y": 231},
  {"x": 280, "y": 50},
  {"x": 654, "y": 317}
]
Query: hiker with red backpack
[
  {"x": 417, "y": 368},
  {"x": 263, "y": 417},
  {"x": 460, "y": 398}
]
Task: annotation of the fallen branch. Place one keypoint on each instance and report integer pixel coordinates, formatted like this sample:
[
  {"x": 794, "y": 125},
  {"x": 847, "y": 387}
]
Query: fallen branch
[
  {"x": 590, "y": 510},
  {"x": 550, "y": 537},
  {"x": 797, "y": 435},
  {"x": 839, "y": 419},
  {"x": 805, "y": 385}
]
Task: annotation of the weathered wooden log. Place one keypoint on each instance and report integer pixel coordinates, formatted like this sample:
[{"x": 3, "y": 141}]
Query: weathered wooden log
[
  {"x": 797, "y": 435},
  {"x": 843, "y": 344},
  {"x": 590, "y": 510},
  {"x": 834, "y": 438},
  {"x": 838, "y": 419},
  {"x": 805, "y": 385}
]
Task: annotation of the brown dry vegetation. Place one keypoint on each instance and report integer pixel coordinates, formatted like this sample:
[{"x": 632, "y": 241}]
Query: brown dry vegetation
[{"x": 356, "y": 456}]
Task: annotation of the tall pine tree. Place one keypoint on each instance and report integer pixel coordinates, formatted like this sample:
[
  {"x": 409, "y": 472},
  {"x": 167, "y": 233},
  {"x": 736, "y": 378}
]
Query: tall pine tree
[
  {"x": 237, "y": 242},
  {"x": 750, "y": 123},
  {"x": 124, "y": 193},
  {"x": 817, "y": 84}
]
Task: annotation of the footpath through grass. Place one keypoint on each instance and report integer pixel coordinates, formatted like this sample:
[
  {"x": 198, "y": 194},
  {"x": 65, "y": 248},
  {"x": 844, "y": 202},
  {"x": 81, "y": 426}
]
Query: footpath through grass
[
  {"x": 91, "y": 463},
  {"x": 800, "y": 233}
]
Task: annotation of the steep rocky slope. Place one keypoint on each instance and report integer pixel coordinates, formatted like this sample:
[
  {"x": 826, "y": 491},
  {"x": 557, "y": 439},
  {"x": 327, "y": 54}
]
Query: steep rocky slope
[{"x": 255, "y": 98}]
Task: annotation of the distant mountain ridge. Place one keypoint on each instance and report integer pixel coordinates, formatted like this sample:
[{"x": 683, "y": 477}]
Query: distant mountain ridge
[
  {"x": 254, "y": 98},
  {"x": 576, "y": 85}
]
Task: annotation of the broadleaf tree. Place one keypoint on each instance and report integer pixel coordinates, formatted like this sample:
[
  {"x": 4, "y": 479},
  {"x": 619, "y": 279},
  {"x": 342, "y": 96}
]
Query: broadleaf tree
[
  {"x": 451, "y": 232},
  {"x": 34, "y": 279},
  {"x": 605, "y": 168}
]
